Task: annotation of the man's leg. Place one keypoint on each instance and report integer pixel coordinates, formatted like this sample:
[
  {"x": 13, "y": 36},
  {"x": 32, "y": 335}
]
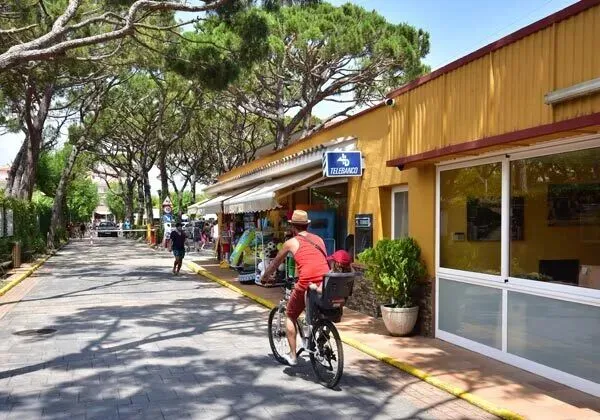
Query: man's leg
[
  {"x": 179, "y": 263},
  {"x": 175, "y": 265},
  {"x": 290, "y": 326}
]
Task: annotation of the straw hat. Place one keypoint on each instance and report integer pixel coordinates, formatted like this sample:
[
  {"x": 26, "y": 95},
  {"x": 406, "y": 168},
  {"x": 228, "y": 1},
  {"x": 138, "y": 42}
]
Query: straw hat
[{"x": 300, "y": 217}]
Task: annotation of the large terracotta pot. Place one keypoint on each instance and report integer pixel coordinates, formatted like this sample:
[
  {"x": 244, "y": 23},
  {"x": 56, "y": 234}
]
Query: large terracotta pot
[{"x": 399, "y": 321}]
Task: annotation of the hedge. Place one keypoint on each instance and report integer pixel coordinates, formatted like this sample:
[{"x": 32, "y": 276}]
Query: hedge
[{"x": 31, "y": 223}]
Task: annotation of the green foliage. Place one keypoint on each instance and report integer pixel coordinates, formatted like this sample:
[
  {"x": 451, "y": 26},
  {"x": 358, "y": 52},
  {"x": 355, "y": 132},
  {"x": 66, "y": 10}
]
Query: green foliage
[
  {"x": 186, "y": 201},
  {"x": 26, "y": 221},
  {"x": 115, "y": 201},
  {"x": 82, "y": 199},
  {"x": 221, "y": 48},
  {"x": 50, "y": 167},
  {"x": 319, "y": 52},
  {"x": 43, "y": 205},
  {"x": 395, "y": 268}
]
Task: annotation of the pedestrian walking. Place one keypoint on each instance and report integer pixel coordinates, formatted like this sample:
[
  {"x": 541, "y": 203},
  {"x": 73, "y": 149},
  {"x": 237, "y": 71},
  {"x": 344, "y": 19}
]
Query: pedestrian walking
[
  {"x": 82, "y": 229},
  {"x": 197, "y": 232},
  {"x": 177, "y": 246},
  {"x": 205, "y": 235}
]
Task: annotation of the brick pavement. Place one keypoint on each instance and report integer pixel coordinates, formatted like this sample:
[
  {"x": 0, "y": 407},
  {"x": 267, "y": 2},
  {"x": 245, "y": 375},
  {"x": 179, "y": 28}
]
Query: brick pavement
[{"x": 132, "y": 341}]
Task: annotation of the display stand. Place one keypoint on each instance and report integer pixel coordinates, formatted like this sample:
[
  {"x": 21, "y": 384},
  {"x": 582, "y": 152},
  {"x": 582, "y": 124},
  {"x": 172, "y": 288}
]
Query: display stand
[{"x": 264, "y": 253}]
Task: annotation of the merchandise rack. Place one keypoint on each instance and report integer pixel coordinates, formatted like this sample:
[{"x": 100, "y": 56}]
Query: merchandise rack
[{"x": 278, "y": 278}]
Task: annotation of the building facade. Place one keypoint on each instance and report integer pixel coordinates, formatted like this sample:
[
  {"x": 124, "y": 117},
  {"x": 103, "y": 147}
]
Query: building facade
[{"x": 492, "y": 163}]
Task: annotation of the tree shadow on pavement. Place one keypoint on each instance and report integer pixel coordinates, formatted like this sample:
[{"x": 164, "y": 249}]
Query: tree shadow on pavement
[{"x": 198, "y": 352}]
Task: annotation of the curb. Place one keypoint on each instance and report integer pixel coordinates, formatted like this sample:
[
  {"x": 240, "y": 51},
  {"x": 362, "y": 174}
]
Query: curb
[
  {"x": 405, "y": 367},
  {"x": 204, "y": 273},
  {"x": 27, "y": 273}
]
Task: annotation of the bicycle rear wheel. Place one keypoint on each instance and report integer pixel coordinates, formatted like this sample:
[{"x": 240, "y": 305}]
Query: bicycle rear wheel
[
  {"x": 277, "y": 334},
  {"x": 328, "y": 357}
]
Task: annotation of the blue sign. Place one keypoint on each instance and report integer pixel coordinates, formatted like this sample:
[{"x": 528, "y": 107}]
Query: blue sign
[
  {"x": 167, "y": 218},
  {"x": 342, "y": 164}
]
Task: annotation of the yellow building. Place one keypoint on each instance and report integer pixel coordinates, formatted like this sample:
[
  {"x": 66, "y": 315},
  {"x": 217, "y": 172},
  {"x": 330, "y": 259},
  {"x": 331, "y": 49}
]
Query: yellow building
[{"x": 492, "y": 163}]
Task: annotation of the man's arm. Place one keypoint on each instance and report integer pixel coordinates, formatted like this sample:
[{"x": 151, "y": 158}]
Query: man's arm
[{"x": 276, "y": 261}]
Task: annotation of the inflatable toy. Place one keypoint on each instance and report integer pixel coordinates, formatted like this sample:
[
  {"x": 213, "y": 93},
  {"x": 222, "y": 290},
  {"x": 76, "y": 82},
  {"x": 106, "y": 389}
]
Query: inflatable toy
[{"x": 245, "y": 240}]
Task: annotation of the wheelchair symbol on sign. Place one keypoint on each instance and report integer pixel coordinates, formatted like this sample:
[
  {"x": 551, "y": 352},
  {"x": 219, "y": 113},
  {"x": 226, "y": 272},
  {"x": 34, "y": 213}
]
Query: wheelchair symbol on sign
[{"x": 344, "y": 160}]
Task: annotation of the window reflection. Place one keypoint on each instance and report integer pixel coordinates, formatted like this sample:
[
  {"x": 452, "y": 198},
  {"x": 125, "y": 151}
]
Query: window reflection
[
  {"x": 560, "y": 201},
  {"x": 470, "y": 214}
]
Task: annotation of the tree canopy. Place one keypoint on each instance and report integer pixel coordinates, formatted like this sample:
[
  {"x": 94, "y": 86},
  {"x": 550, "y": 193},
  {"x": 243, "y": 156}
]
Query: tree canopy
[{"x": 120, "y": 88}]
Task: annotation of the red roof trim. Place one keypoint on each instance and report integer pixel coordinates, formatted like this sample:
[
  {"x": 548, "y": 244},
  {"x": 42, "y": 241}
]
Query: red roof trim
[
  {"x": 528, "y": 133},
  {"x": 496, "y": 45}
]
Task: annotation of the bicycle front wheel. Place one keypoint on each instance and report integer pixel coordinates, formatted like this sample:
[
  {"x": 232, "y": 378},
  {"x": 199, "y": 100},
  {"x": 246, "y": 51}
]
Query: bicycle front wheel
[
  {"x": 277, "y": 334},
  {"x": 328, "y": 357}
]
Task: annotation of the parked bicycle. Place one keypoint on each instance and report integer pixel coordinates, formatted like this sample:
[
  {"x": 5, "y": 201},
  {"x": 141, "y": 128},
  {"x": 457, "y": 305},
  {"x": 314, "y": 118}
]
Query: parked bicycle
[{"x": 320, "y": 338}]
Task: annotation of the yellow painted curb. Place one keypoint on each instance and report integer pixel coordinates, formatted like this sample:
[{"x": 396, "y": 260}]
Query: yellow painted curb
[
  {"x": 204, "y": 273},
  {"x": 412, "y": 370},
  {"x": 425, "y": 377},
  {"x": 24, "y": 275}
]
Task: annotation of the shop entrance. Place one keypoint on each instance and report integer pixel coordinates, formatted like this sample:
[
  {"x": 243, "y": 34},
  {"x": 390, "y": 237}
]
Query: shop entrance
[{"x": 329, "y": 213}]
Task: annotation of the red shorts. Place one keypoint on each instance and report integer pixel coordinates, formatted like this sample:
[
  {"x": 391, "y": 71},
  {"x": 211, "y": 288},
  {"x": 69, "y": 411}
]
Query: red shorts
[{"x": 297, "y": 302}]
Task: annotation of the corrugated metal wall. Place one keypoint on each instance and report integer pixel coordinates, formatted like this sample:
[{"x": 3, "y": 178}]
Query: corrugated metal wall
[{"x": 502, "y": 91}]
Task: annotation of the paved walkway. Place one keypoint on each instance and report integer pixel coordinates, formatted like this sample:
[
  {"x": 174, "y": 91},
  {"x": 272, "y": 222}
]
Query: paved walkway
[
  {"x": 132, "y": 341},
  {"x": 502, "y": 385}
]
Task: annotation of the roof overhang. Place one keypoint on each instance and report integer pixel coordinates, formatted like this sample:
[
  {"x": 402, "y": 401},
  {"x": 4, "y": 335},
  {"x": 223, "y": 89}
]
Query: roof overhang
[
  {"x": 215, "y": 204},
  {"x": 264, "y": 197},
  {"x": 296, "y": 162},
  {"x": 588, "y": 124}
]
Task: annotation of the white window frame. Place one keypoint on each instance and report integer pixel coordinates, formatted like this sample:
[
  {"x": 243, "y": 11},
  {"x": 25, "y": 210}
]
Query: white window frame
[
  {"x": 504, "y": 281},
  {"x": 399, "y": 189}
]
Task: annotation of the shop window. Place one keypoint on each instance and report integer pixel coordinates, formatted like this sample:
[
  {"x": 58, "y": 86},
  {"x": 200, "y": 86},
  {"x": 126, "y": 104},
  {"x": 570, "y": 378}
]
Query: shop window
[
  {"x": 400, "y": 212},
  {"x": 470, "y": 216},
  {"x": 555, "y": 225},
  {"x": 471, "y": 311},
  {"x": 555, "y": 333}
]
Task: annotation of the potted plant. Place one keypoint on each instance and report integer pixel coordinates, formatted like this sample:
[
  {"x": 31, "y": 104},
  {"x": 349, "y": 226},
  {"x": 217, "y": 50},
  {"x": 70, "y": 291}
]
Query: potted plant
[{"x": 395, "y": 268}]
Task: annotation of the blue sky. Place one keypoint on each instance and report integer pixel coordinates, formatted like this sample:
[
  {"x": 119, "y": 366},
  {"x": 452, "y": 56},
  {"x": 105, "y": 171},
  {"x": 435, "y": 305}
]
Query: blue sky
[{"x": 456, "y": 27}]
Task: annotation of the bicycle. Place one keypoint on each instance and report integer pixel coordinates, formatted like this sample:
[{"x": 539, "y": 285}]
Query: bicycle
[{"x": 323, "y": 309}]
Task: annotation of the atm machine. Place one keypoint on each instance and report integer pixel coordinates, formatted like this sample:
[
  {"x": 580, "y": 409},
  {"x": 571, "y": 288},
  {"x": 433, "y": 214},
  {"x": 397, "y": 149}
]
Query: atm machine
[
  {"x": 363, "y": 233},
  {"x": 322, "y": 223}
]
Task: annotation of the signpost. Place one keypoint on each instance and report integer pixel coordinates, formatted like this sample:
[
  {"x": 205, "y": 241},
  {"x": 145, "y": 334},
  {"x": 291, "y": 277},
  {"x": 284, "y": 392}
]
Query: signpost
[
  {"x": 167, "y": 210},
  {"x": 342, "y": 164}
]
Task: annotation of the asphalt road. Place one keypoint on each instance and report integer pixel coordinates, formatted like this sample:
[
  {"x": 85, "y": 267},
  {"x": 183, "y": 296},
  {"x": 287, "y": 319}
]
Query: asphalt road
[{"x": 133, "y": 341}]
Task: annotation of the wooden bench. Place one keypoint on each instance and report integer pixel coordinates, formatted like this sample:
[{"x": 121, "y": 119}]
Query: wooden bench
[{"x": 5, "y": 265}]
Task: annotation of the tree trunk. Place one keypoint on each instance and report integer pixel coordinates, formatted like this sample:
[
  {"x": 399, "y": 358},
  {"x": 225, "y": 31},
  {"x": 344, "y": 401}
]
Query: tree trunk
[
  {"x": 24, "y": 189},
  {"x": 59, "y": 199},
  {"x": 16, "y": 167},
  {"x": 140, "y": 191},
  {"x": 193, "y": 190},
  {"x": 180, "y": 205},
  {"x": 280, "y": 140},
  {"x": 128, "y": 199},
  {"x": 34, "y": 119},
  {"x": 164, "y": 180},
  {"x": 148, "y": 198}
]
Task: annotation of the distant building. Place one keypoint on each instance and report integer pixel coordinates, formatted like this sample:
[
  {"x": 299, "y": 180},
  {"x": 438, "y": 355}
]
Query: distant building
[
  {"x": 4, "y": 175},
  {"x": 102, "y": 212}
]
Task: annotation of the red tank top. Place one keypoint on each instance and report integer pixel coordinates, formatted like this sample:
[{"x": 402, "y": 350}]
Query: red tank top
[{"x": 311, "y": 264}]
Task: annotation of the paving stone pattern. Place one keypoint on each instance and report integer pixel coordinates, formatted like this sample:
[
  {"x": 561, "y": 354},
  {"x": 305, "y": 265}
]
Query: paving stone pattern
[{"x": 134, "y": 342}]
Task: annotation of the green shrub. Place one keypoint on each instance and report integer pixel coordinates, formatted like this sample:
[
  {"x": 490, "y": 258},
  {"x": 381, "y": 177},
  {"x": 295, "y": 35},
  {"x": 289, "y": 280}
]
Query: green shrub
[
  {"x": 27, "y": 219},
  {"x": 395, "y": 268}
]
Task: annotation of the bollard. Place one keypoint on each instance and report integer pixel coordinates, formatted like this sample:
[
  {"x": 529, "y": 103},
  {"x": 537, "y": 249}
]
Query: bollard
[{"x": 16, "y": 254}]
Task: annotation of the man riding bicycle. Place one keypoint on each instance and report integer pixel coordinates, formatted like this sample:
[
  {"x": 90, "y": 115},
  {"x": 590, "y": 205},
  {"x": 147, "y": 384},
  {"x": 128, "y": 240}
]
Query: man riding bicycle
[{"x": 311, "y": 264}]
